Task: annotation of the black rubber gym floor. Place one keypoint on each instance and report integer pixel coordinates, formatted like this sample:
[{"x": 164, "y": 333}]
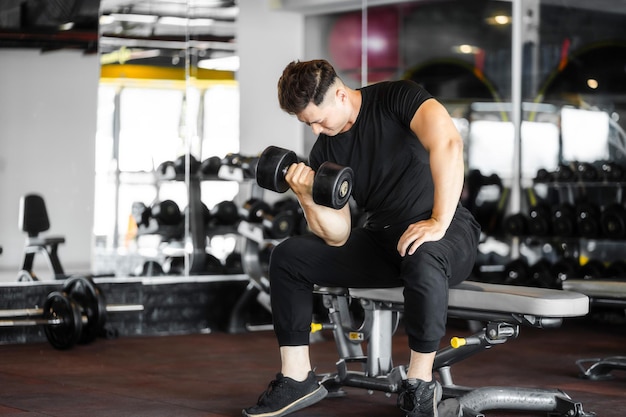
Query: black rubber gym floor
[{"x": 218, "y": 374}]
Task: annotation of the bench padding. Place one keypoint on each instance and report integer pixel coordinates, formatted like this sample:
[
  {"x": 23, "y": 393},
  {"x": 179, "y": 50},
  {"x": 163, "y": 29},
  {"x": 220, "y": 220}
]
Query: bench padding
[{"x": 499, "y": 298}]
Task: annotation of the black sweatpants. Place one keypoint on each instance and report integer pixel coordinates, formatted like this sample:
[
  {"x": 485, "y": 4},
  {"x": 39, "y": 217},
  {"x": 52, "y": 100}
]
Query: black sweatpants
[{"x": 369, "y": 259}]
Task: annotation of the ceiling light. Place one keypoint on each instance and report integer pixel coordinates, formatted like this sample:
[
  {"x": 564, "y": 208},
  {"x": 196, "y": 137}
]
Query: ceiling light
[
  {"x": 134, "y": 18},
  {"x": 229, "y": 63},
  {"x": 591, "y": 83},
  {"x": 66, "y": 26},
  {"x": 499, "y": 19},
  {"x": 183, "y": 21},
  {"x": 106, "y": 19},
  {"x": 466, "y": 49}
]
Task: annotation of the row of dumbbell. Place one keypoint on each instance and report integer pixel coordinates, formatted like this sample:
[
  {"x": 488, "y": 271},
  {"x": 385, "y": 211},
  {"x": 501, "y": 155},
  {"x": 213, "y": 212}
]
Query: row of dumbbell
[
  {"x": 278, "y": 221},
  {"x": 175, "y": 265},
  {"x": 208, "y": 168},
  {"x": 600, "y": 171},
  {"x": 583, "y": 219},
  {"x": 547, "y": 274}
]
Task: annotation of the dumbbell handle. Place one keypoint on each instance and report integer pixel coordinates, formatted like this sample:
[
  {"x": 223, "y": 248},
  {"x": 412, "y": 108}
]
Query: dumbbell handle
[{"x": 332, "y": 184}]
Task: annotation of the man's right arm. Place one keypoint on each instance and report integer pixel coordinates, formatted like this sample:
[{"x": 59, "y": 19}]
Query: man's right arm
[{"x": 333, "y": 226}]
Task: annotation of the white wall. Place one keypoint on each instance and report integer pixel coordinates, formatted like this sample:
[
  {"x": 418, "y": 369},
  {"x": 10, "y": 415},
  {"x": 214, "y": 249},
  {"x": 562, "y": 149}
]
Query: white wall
[
  {"x": 267, "y": 41},
  {"x": 48, "y": 104}
]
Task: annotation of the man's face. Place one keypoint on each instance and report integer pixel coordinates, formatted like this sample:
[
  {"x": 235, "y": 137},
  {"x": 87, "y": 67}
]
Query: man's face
[{"x": 330, "y": 117}]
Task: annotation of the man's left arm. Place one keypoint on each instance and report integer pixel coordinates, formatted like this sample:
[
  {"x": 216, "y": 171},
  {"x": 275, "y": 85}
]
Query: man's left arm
[{"x": 436, "y": 131}]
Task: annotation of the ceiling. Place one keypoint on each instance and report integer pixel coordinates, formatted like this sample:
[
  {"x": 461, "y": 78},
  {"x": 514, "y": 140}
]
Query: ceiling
[
  {"x": 157, "y": 31},
  {"x": 160, "y": 32},
  {"x": 153, "y": 32}
]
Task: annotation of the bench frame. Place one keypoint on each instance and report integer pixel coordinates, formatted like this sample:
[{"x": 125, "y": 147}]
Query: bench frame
[{"x": 381, "y": 316}]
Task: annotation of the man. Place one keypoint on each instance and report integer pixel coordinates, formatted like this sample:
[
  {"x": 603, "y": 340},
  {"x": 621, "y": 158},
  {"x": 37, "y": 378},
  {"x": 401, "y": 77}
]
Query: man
[{"x": 407, "y": 158}]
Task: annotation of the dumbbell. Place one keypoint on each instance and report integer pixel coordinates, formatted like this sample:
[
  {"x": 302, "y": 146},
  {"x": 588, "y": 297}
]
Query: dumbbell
[
  {"x": 76, "y": 314},
  {"x": 277, "y": 226},
  {"x": 564, "y": 269},
  {"x": 539, "y": 220},
  {"x": 516, "y": 224},
  {"x": 166, "y": 212},
  {"x": 211, "y": 166},
  {"x": 224, "y": 213},
  {"x": 564, "y": 173},
  {"x": 332, "y": 185},
  {"x": 587, "y": 215},
  {"x": 246, "y": 163},
  {"x": 587, "y": 172},
  {"x": 564, "y": 220},
  {"x": 541, "y": 275},
  {"x": 612, "y": 172},
  {"x": 593, "y": 269},
  {"x": 613, "y": 221},
  {"x": 180, "y": 164},
  {"x": 166, "y": 170},
  {"x": 516, "y": 272}
]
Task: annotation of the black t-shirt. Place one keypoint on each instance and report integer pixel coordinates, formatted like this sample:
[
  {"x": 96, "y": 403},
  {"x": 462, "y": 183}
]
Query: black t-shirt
[{"x": 393, "y": 182}]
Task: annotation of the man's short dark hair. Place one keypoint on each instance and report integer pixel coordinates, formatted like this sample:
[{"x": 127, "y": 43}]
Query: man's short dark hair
[{"x": 304, "y": 82}]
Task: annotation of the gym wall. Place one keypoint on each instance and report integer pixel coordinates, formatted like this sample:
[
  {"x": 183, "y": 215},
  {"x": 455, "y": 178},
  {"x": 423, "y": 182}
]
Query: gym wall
[{"x": 48, "y": 108}]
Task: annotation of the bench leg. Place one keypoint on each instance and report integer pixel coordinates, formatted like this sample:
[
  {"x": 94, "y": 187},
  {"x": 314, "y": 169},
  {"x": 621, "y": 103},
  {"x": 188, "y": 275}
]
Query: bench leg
[
  {"x": 601, "y": 368},
  {"x": 478, "y": 400}
]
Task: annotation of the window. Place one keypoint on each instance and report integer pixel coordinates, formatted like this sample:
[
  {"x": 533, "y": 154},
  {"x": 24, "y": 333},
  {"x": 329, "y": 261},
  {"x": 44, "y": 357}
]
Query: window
[{"x": 141, "y": 126}]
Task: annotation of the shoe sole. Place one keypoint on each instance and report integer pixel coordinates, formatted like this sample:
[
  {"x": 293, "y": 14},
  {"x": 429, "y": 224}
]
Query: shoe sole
[
  {"x": 310, "y": 399},
  {"x": 437, "y": 398}
]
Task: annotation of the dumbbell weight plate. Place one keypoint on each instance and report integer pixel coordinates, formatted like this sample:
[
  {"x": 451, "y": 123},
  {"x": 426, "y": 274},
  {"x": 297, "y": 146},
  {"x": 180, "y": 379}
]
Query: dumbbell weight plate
[
  {"x": 211, "y": 166},
  {"x": 256, "y": 209},
  {"x": 282, "y": 225},
  {"x": 92, "y": 303},
  {"x": 332, "y": 185},
  {"x": 272, "y": 166},
  {"x": 58, "y": 306},
  {"x": 516, "y": 224},
  {"x": 613, "y": 221}
]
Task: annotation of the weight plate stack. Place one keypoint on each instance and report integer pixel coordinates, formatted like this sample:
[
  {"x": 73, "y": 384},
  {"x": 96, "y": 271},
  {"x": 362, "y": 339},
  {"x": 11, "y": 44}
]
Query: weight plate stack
[
  {"x": 66, "y": 333},
  {"x": 92, "y": 303}
]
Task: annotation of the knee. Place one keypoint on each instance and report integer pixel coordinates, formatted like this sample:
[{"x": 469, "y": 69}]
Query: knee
[
  {"x": 279, "y": 255},
  {"x": 423, "y": 264},
  {"x": 287, "y": 258}
]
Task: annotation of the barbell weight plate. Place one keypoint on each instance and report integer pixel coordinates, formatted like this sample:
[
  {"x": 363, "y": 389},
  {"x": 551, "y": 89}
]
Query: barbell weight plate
[
  {"x": 332, "y": 185},
  {"x": 272, "y": 166},
  {"x": 92, "y": 304},
  {"x": 59, "y": 306}
]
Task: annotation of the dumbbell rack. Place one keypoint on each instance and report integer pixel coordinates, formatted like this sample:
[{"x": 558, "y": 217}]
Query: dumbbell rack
[
  {"x": 196, "y": 226},
  {"x": 602, "y": 245},
  {"x": 567, "y": 187}
]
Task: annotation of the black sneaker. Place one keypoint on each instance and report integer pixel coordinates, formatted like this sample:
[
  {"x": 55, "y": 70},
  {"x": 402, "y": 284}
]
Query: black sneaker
[
  {"x": 419, "y": 399},
  {"x": 285, "y": 395}
]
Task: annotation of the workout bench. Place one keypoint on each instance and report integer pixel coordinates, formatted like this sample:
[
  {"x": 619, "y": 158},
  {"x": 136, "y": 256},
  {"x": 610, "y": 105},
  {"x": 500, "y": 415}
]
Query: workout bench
[
  {"x": 503, "y": 308},
  {"x": 33, "y": 219}
]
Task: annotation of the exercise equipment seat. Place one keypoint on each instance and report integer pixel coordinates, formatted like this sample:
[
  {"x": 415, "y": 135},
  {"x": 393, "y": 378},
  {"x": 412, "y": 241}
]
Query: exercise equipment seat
[{"x": 33, "y": 219}]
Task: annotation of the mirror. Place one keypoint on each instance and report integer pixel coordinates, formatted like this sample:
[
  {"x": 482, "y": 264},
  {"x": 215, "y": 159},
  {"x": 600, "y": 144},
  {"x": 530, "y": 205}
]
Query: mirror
[{"x": 164, "y": 88}]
